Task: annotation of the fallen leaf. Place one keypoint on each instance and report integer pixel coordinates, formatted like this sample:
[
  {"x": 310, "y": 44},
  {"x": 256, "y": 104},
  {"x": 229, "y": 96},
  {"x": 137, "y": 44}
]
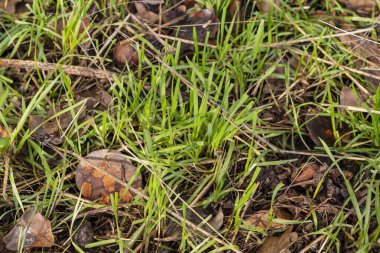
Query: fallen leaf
[
  {"x": 51, "y": 131},
  {"x": 349, "y": 98},
  {"x": 367, "y": 54},
  {"x": 94, "y": 95},
  {"x": 267, "y": 5},
  {"x": 174, "y": 230},
  {"x": 124, "y": 53},
  {"x": 319, "y": 127},
  {"x": 95, "y": 184},
  {"x": 15, "y": 6},
  {"x": 307, "y": 173},
  {"x": 278, "y": 244},
  {"x": 204, "y": 21},
  {"x": 33, "y": 229},
  {"x": 144, "y": 15},
  {"x": 83, "y": 24},
  {"x": 260, "y": 219},
  {"x": 364, "y": 7}
]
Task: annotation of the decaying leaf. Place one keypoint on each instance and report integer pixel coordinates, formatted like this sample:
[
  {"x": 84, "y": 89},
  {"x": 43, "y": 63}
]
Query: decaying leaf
[
  {"x": 364, "y": 7},
  {"x": 367, "y": 55},
  {"x": 304, "y": 177},
  {"x": 260, "y": 219},
  {"x": 32, "y": 230},
  {"x": 144, "y": 15},
  {"x": 267, "y": 5},
  {"x": 124, "y": 53},
  {"x": 349, "y": 98},
  {"x": 83, "y": 24},
  {"x": 278, "y": 244},
  {"x": 15, "y": 6},
  {"x": 51, "y": 131},
  {"x": 204, "y": 21},
  {"x": 95, "y": 184},
  {"x": 319, "y": 127},
  {"x": 95, "y": 96},
  {"x": 174, "y": 230}
]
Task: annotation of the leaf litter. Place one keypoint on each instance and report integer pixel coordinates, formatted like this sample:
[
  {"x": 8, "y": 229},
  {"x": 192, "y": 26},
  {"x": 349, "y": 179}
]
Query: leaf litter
[
  {"x": 301, "y": 177},
  {"x": 32, "y": 230}
]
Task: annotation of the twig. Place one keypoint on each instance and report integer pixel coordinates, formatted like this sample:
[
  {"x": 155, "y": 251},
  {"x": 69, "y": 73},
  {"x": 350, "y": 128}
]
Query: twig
[
  {"x": 5, "y": 180},
  {"x": 70, "y": 70}
]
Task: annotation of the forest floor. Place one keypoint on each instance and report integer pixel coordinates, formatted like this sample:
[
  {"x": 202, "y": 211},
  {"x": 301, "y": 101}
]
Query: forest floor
[{"x": 189, "y": 126}]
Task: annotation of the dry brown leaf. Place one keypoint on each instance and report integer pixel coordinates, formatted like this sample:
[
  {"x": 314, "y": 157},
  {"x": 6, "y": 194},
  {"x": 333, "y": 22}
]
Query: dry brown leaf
[
  {"x": 95, "y": 184},
  {"x": 308, "y": 172},
  {"x": 144, "y": 15},
  {"x": 173, "y": 230},
  {"x": 319, "y": 127},
  {"x": 267, "y": 5},
  {"x": 204, "y": 21},
  {"x": 95, "y": 95},
  {"x": 367, "y": 55},
  {"x": 35, "y": 231},
  {"x": 52, "y": 130},
  {"x": 365, "y": 7},
  {"x": 124, "y": 53},
  {"x": 83, "y": 24},
  {"x": 349, "y": 98},
  {"x": 15, "y": 6},
  {"x": 261, "y": 219},
  {"x": 278, "y": 244}
]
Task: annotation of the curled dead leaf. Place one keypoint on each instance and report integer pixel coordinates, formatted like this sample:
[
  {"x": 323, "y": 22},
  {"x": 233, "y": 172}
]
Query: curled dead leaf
[
  {"x": 124, "y": 53},
  {"x": 307, "y": 173},
  {"x": 267, "y": 5},
  {"x": 33, "y": 229},
  {"x": 95, "y": 184},
  {"x": 279, "y": 244}
]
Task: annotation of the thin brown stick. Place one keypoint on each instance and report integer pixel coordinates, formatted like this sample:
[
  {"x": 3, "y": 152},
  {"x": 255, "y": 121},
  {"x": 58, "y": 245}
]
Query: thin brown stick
[
  {"x": 70, "y": 70},
  {"x": 5, "y": 181}
]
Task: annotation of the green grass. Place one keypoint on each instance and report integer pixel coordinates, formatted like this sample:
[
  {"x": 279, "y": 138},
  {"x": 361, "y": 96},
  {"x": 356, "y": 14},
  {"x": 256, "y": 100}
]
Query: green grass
[{"x": 204, "y": 134}]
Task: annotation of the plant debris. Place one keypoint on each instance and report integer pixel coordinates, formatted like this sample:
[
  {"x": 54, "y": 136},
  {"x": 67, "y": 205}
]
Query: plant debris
[
  {"x": 83, "y": 233},
  {"x": 319, "y": 128},
  {"x": 278, "y": 244},
  {"x": 364, "y": 7},
  {"x": 32, "y": 230},
  {"x": 262, "y": 219},
  {"x": 94, "y": 184}
]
